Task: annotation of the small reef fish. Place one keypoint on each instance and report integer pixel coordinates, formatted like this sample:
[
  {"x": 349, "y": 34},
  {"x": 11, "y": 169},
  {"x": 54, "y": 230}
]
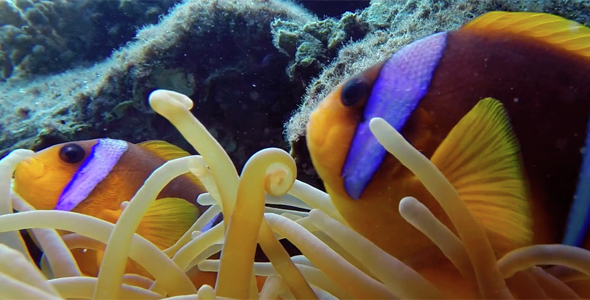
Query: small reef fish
[
  {"x": 517, "y": 161},
  {"x": 94, "y": 177}
]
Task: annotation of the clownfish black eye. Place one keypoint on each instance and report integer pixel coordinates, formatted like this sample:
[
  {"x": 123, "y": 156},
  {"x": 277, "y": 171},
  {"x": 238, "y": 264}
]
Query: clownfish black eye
[
  {"x": 71, "y": 153},
  {"x": 354, "y": 91}
]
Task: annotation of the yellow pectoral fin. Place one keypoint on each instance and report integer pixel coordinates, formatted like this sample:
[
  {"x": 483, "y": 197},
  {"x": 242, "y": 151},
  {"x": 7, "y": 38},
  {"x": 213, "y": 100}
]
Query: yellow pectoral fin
[
  {"x": 167, "y": 220},
  {"x": 481, "y": 158}
]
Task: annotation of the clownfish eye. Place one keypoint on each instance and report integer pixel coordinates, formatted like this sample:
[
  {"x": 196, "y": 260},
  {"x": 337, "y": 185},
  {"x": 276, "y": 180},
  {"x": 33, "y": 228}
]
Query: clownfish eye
[
  {"x": 354, "y": 91},
  {"x": 71, "y": 153}
]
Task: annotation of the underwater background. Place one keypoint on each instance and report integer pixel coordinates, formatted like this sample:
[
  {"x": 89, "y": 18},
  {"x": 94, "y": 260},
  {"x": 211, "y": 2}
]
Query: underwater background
[
  {"x": 74, "y": 70},
  {"x": 83, "y": 69}
]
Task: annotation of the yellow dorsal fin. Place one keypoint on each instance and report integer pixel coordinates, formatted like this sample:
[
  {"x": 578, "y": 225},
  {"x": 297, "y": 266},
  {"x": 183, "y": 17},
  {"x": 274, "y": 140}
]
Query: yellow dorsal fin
[
  {"x": 166, "y": 220},
  {"x": 163, "y": 149},
  {"x": 168, "y": 151},
  {"x": 481, "y": 158},
  {"x": 563, "y": 33}
]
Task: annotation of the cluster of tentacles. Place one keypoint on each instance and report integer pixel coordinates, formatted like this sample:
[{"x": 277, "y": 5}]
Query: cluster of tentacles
[{"x": 336, "y": 262}]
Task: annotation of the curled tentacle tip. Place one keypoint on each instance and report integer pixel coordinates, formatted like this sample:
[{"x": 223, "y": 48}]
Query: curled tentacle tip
[
  {"x": 206, "y": 292},
  {"x": 199, "y": 166},
  {"x": 16, "y": 156},
  {"x": 377, "y": 123},
  {"x": 23, "y": 153},
  {"x": 163, "y": 101},
  {"x": 279, "y": 180},
  {"x": 124, "y": 205},
  {"x": 409, "y": 205},
  {"x": 384, "y": 133},
  {"x": 195, "y": 234},
  {"x": 280, "y": 173},
  {"x": 196, "y": 165},
  {"x": 205, "y": 199}
]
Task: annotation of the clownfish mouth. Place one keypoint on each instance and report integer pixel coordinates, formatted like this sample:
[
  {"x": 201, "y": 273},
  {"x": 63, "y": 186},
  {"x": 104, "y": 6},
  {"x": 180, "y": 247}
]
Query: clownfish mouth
[{"x": 30, "y": 169}]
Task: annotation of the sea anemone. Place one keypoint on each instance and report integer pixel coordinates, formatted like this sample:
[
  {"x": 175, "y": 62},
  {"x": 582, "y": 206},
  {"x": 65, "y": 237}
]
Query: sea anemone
[{"x": 336, "y": 262}]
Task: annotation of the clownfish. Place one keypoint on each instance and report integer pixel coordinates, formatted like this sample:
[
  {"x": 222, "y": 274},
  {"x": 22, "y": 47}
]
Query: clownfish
[
  {"x": 94, "y": 177},
  {"x": 500, "y": 107}
]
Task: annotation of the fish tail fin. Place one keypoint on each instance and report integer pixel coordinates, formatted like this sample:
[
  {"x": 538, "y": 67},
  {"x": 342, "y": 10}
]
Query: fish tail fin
[
  {"x": 481, "y": 158},
  {"x": 166, "y": 220}
]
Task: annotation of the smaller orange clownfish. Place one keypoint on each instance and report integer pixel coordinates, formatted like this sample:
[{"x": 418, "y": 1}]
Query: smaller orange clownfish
[{"x": 94, "y": 177}]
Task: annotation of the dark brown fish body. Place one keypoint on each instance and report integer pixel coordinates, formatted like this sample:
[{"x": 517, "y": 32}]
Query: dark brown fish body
[{"x": 547, "y": 95}]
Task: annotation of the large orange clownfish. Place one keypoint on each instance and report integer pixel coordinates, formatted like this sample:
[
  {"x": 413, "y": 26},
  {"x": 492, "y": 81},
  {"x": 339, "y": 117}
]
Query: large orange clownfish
[{"x": 519, "y": 162}]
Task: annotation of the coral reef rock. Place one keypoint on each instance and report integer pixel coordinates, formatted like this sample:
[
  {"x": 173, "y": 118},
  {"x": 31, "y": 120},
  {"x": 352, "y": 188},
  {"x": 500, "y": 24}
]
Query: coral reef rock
[
  {"x": 49, "y": 36},
  {"x": 220, "y": 53}
]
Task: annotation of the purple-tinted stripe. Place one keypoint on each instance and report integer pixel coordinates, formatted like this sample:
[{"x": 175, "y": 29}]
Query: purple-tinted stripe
[
  {"x": 99, "y": 163},
  {"x": 402, "y": 83},
  {"x": 218, "y": 218}
]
